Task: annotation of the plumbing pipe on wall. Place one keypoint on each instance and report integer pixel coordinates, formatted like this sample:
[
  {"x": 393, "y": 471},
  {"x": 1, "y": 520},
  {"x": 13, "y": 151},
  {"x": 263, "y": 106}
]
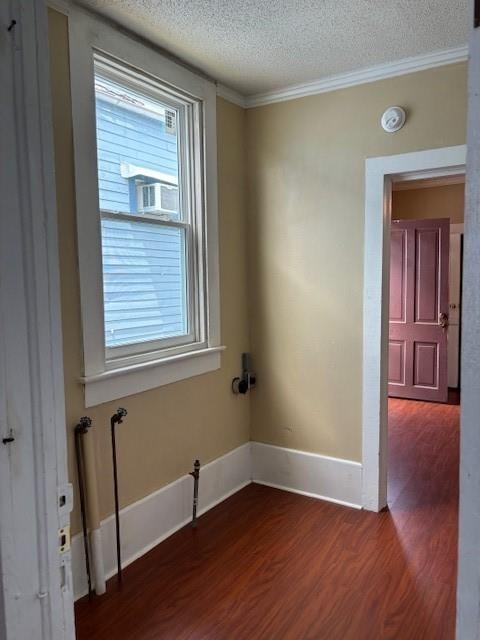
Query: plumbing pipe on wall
[
  {"x": 115, "y": 420},
  {"x": 196, "y": 477},
  {"x": 80, "y": 430},
  {"x": 93, "y": 513}
]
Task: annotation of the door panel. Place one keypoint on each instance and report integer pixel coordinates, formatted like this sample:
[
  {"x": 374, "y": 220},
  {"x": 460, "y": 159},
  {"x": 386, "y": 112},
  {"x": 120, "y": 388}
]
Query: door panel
[
  {"x": 426, "y": 275},
  {"x": 396, "y": 362},
  {"x": 425, "y": 366},
  {"x": 398, "y": 274},
  {"x": 418, "y": 298}
]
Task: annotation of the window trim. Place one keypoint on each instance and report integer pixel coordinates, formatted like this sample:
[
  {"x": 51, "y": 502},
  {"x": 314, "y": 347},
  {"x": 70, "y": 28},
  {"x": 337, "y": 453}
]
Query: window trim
[
  {"x": 191, "y": 222},
  {"x": 190, "y": 110},
  {"x": 104, "y": 379}
]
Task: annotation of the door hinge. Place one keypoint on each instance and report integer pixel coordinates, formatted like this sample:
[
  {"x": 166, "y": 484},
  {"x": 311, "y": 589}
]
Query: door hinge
[
  {"x": 9, "y": 439},
  {"x": 64, "y": 539}
]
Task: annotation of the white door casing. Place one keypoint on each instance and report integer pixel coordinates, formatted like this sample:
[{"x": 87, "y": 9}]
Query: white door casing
[
  {"x": 379, "y": 175},
  {"x": 454, "y": 299},
  {"x": 35, "y": 499}
]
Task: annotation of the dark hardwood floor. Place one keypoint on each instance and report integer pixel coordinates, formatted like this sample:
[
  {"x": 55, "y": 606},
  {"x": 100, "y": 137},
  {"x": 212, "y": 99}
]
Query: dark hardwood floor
[{"x": 271, "y": 565}]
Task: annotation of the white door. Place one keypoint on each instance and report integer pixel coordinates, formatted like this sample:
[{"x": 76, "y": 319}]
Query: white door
[
  {"x": 35, "y": 588},
  {"x": 468, "y": 589}
]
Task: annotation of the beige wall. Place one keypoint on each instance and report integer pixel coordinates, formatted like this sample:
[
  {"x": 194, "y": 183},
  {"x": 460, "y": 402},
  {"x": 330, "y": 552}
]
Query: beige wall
[
  {"x": 169, "y": 427},
  {"x": 306, "y": 162},
  {"x": 446, "y": 201}
]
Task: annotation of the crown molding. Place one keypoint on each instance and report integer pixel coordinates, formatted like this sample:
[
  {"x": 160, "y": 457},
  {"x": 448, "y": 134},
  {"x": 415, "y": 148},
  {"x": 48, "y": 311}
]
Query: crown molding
[
  {"x": 62, "y": 6},
  {"x": 324, "y": 85},
  {"x": 362, "y": 76},
  {"x": 231, "y": 95}
]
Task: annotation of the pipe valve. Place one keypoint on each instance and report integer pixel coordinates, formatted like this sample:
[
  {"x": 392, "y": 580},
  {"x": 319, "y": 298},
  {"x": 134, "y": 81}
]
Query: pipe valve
[
  {"x": 84, "y": 424},
  {"x": 248, "y": 378},
  {"x": 118, "y": 416}
]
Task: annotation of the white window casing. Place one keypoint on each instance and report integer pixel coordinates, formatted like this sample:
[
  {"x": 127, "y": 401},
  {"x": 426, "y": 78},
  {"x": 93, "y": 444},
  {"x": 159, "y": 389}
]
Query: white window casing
[{"x": 111, "y": 373}]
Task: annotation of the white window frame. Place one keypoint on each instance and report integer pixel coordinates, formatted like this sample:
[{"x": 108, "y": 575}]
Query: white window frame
[
  {"x": 109, "y": 379},
  {"x": 190, "y": 113}
]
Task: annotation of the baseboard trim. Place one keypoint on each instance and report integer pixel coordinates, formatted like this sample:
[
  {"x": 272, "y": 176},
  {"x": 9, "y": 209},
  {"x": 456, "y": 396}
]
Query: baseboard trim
[
  {"x": 308, "y": 494},
  {"x": 310, "y": 474},
  {"x": 164, "y": 512},
  {"x": 150, "y": 520}
]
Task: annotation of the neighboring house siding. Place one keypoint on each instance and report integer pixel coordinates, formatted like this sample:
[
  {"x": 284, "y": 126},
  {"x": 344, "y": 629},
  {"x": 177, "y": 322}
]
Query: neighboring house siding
[
  {"x": 126, "y": 136},
  {"x": 143, "y": 264},
  {"x": 143, "y": 273}
]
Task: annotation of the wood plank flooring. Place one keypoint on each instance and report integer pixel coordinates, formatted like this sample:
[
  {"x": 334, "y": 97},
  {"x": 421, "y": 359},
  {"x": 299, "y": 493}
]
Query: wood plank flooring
[{"x": 271, "y": 565}]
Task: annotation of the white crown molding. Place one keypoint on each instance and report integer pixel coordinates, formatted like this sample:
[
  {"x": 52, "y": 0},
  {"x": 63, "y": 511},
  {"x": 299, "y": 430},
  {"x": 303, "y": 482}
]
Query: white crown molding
[
  {"x": 231, "y": 95},
  {"x": 362, "y": 76},
  {"x": 62, "y": 6},
  {"x": 324, "y": 85}
]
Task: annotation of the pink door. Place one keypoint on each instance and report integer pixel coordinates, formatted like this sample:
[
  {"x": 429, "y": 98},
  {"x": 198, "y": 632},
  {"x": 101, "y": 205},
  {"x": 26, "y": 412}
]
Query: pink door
[{"x": 417, "y": 354}]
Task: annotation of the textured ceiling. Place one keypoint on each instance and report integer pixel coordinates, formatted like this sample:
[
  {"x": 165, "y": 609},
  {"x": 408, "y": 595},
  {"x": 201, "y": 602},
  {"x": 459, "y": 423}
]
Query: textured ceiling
[{"x": 255, "y": 46}]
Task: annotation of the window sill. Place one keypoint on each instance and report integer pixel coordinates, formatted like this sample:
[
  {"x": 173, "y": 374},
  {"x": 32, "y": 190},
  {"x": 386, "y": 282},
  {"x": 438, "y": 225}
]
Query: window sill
[{"x": 126, "y": 381}]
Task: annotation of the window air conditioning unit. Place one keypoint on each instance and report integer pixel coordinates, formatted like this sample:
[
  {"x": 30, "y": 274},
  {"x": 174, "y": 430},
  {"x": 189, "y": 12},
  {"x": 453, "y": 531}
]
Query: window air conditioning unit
[{"x": 157, "y": 197}]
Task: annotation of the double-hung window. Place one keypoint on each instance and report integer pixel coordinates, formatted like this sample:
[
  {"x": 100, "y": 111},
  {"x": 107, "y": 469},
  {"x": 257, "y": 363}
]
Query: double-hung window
[
  {"x": 144, "y": 136},
  {"x": 151, "y": 288}
]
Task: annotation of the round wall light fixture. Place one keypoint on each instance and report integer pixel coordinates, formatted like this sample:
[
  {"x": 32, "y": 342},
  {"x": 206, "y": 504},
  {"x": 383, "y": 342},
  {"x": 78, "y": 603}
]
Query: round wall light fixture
[{"x": 393, "y": 119}]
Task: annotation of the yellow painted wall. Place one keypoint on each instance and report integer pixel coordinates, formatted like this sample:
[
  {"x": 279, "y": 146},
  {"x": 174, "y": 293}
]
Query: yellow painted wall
[
  {"x": 306, "y": 160},
  {"x": 303, "y": 163},
  {"x": 447, "y": 201},
  {"x": 167, "y": 428}
]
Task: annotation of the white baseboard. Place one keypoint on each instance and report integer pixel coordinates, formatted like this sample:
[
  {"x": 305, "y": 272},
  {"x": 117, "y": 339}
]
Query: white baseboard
[
  {"x": 310, "y": 474},
  {"x": 147, "y": 522}
]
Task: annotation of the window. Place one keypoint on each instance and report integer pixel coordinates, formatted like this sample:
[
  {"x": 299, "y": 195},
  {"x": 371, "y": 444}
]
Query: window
[
  {"x": 150, "y": 283},
  {"x": 146, "y": 214}
]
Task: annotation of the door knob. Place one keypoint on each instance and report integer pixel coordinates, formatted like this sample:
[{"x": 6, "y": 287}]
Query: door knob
[{"x": 443, "y": 320}]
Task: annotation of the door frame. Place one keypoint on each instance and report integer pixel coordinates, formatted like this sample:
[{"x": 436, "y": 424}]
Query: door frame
[
  {"x": 380, "y": 173},
  {"x": 468, "y": 583},
  {"x": 35, "y": 585}
]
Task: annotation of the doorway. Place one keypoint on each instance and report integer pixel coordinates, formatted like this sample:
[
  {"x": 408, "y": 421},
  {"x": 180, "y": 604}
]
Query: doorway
[
  {"x": 426, "y": 238},
  {"x": 381, "y": 174}
]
